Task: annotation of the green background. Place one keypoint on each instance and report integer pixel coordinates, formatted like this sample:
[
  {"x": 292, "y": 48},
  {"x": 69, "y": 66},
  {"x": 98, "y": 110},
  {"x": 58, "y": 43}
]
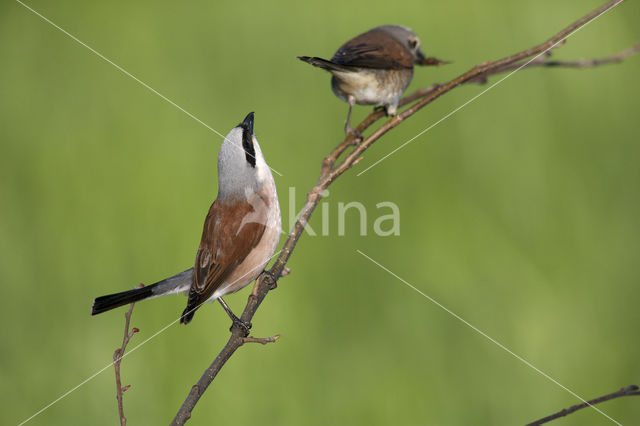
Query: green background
[{"x": 519, "y": 213}]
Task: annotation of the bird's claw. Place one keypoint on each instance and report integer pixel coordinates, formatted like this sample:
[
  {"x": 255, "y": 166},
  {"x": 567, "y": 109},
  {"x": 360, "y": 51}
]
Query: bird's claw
[
  {"x": 348, "y": 130},
  {"x": 272, "y": 282},
  {"x": 243, "y": 326}
]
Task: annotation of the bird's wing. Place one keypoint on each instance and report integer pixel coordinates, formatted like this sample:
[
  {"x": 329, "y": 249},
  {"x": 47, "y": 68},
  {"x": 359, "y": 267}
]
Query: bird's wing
[
  {"x": 230, "y": 232},
  {"x": 374, "y": 49}
]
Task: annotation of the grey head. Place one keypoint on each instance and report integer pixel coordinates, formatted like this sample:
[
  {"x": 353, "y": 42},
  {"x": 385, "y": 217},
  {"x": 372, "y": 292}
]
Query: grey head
[
  {"x": 242, "y": 170},
  {"x": 407, "y": 37}
]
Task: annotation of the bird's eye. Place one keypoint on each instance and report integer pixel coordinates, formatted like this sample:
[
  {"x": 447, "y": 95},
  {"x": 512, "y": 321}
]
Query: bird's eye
[{"x": 413, "y": 43}]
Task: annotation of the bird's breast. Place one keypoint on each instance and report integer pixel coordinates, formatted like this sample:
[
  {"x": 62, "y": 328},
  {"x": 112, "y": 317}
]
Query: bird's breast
[
  {"x": 255, "y": 262},
  {"x": 371, "y": 86}
]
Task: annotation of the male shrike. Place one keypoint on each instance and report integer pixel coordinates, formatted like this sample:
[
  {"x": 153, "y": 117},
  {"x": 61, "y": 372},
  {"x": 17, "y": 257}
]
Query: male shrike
[{"x": 240, "y": 235}]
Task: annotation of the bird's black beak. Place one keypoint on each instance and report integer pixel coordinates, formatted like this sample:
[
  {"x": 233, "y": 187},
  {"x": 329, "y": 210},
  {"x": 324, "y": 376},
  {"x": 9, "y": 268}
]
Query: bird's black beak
[{"x": 247, "y": 123}]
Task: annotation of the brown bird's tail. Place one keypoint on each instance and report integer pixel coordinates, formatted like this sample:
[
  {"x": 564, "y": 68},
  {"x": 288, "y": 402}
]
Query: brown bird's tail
[{"x": 325, "y": 65}]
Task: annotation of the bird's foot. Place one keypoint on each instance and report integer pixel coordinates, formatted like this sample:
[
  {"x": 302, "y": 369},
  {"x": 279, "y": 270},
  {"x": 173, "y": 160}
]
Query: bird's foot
[
  {"x": 350, "y": 131},
  {"x": 272, "y": 281},
  {"x": 245, "y": 327},
  {"x": 391, "y": 110}
]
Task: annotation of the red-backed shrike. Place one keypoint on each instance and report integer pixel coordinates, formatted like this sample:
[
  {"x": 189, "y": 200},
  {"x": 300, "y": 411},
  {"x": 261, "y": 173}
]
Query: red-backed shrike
[
  {"x": 374, "y": 68},
  {"x": 240, "y": 235}
]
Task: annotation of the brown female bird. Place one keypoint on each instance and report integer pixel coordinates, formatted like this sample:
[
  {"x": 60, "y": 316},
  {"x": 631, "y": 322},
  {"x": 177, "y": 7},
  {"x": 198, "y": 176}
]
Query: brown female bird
[{"x": 374, "y": 68}]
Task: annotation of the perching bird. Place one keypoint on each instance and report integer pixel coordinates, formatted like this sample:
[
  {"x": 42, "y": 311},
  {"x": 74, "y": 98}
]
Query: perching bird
[
  {"x": 374, "y": 68},
  {"x": 240, "y": 233}
]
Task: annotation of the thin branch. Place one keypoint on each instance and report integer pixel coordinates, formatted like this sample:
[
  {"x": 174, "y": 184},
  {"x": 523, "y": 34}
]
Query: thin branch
[
  {"x": 117, "y": 358},
  {"x": 263, "y": 285},
  {"x": 628, "y": 391},
  {"x": 332, "y": 169},
  {"x": 261, "y": 340},
  {"x": 580, "y": 63}
]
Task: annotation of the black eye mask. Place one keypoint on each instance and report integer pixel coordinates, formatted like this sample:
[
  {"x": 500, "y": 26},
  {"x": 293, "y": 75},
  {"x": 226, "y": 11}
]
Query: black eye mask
[{"x": 247, "y": 144}]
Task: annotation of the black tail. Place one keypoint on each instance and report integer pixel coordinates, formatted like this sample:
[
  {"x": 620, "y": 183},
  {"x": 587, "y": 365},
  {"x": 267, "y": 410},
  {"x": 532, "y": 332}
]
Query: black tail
[
  {"x": 106, "y": 303},
  {"x": 324, "y": 64}
]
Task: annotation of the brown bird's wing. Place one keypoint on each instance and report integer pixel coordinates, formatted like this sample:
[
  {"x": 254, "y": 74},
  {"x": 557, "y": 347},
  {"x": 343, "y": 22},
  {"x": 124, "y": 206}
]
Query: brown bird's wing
[
  {"x": 374, "y": 49},
  {"x": 230, "y": 232}
]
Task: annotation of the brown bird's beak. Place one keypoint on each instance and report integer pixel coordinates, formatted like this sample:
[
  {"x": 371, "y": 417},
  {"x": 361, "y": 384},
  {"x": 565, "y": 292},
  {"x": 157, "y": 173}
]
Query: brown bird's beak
[{"x": 424, "y": 61}]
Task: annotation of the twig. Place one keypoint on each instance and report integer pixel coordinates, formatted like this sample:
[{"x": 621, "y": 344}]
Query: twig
[
  {"x": 117, "y": 358},
  {"x": 262, "y": 340},
  {"x": 580, "y": 63},
  {"x": 628, "y": 391},
  {"x": 332, "y": 169}
]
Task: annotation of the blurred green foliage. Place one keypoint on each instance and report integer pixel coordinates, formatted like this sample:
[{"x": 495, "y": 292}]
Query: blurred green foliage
[{"x": 519, "y": 213}]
